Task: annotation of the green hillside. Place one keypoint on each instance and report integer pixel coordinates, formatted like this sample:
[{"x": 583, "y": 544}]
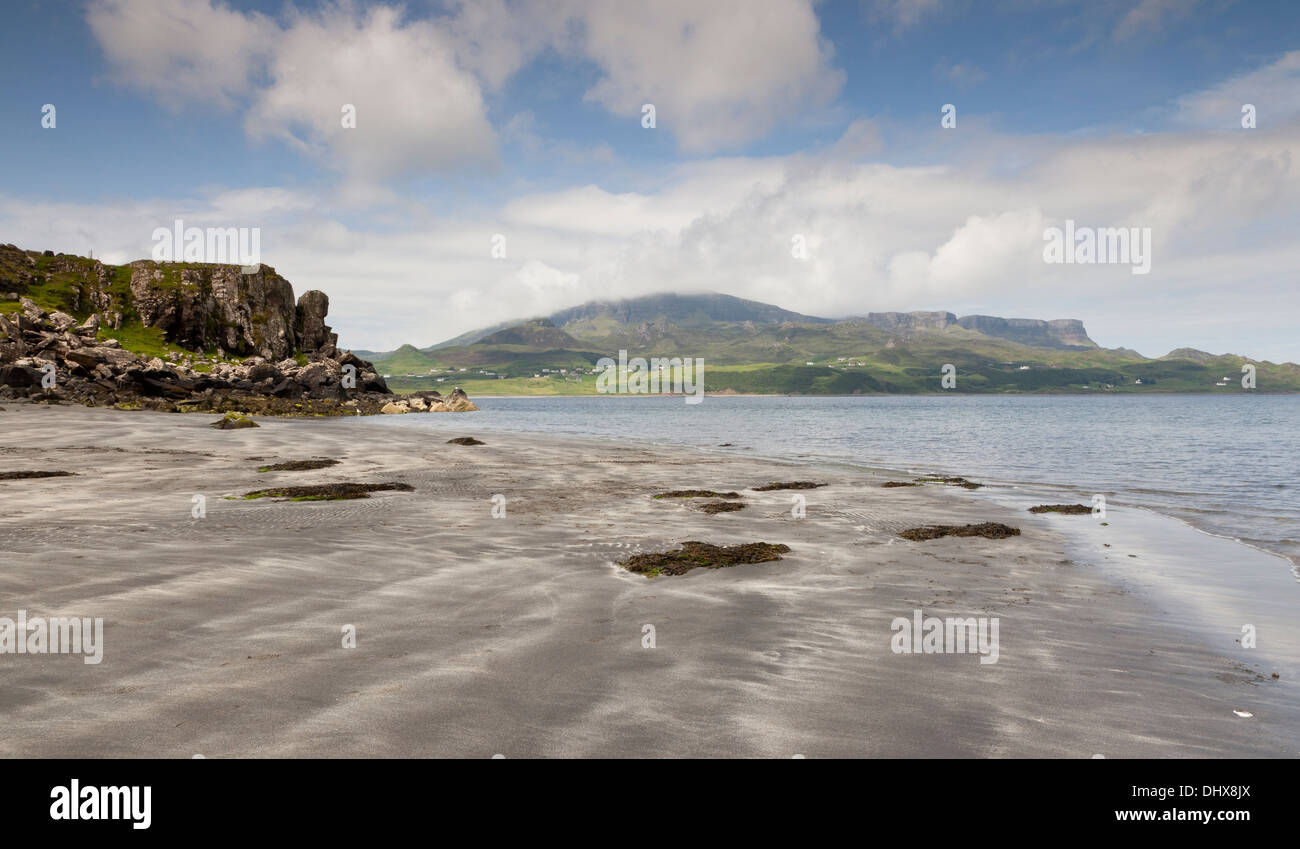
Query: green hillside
[{"x": 825, "y": 358}]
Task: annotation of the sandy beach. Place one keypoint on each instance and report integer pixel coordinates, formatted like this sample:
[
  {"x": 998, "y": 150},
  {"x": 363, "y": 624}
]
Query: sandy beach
[{"x": 521, "y": 636}]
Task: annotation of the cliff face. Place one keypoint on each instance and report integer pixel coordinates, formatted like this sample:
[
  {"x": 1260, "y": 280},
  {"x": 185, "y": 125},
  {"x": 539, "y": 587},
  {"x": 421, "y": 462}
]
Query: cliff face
[
  {"x": 1057, "y": 333},
  {"x": 1063, "y": 333},
  {"x": 911, "y": 321},
  {"x": 197, "y": 306}
]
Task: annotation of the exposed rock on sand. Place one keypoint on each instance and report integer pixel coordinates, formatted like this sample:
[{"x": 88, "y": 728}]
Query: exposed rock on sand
[
  {"x": 465, "y": 440},
  {"x": 431, "y": 402},
  {"x": 702, "y": 555},
  {"x": 988, "y": 530},
  {"x": 234, "y": 421},
  {"x": 17, "y": 476}
]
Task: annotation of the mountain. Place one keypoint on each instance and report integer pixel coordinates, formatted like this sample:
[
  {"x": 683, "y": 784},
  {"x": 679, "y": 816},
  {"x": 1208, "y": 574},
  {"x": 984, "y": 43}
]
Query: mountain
[
  {"x": 759, "y": 348},
  {"x": 541, "y": 333},
  {"x": 686, "y": 310}
]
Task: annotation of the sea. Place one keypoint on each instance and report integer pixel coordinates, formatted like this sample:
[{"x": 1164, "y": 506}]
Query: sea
[{"x": 1224, "y": 464}]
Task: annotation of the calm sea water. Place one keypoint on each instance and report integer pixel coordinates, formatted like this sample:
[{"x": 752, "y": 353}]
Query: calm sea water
[{"x": 1226, "y": 464}]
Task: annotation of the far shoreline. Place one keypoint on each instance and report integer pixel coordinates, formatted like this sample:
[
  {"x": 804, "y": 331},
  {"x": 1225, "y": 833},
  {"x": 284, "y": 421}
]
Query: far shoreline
[{"x": 1171, "y": 393}]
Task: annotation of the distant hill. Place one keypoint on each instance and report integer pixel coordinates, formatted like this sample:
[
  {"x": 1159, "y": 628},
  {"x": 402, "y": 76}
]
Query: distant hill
[
  {"x": 687, "y": 310},
  {"x": 1189, "y": 354},
  {"x": 751, "y": 347},
  {"x": 539, "y": 334}
]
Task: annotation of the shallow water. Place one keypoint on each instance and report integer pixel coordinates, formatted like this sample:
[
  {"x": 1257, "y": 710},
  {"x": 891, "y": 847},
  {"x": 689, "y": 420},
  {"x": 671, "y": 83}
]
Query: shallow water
[{"x": 1224, "y": 463}]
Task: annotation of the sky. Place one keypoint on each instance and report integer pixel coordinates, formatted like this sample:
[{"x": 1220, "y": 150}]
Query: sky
[{"x": 500, "y": 165}]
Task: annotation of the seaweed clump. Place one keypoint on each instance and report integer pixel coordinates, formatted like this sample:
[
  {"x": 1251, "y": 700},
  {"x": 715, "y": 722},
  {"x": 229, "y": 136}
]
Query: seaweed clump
[
  {"x": 234, "y": 421},
  {"x": 721, "y": 506},
  {"x": 328, "y": 491},
  {"x": 888, "y": 484},
  {"x": 1069, "y": 509},
  {"x": 702, "y": 555},
  {"x": 951, "y": 481},
  {"x": 788, "y": 485},
  {"x": 465, "y": 440},
  {"x": 697, "y": 493},
  {"x": 18, "y": 476},
  {"x": 988, "y": 530},
  {"x": 298, "y": 465}
]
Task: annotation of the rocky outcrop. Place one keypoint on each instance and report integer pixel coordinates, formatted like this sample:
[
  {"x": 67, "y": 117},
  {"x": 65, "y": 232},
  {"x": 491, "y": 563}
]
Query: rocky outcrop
[
  {"x": 911, "y": 321},
  {"x": 1061, "y": 333},
  {"x": 198, "y": 306},
  {"x": 49, "y": 356},
  {"x": 431, "y": 402},
  {"x": 1064, "y": 333},
  {"x": 309, "y": 322}
]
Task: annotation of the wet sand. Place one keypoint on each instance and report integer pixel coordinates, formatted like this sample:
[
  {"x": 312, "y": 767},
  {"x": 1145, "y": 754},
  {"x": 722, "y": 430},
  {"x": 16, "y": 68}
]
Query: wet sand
[{"x": 520, "y": 635}]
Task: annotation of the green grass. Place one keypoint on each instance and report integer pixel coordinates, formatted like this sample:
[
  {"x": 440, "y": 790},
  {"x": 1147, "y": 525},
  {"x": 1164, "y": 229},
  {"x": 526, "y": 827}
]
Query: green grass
[{"x": 138, "y": 339}]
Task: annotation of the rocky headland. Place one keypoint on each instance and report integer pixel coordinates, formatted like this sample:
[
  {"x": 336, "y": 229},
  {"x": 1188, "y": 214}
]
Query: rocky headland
[{"x": 222, "y": 340}]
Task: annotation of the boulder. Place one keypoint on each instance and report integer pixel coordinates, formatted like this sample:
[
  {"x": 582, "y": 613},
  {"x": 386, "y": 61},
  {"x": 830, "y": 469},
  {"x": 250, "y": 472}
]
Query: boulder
[
  {"x": 313, "y": 334},
  {"x": 20, "y": 376},
  {"x": 315, "y": 375},
  {"x": 91, "y": 327},
  {"x": 62, "y": 321},
  {"x": 264, "y": 371}
]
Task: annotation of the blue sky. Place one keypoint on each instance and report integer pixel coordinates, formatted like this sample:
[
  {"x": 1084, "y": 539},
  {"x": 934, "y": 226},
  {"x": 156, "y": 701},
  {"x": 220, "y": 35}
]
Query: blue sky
[{"x": 775, "y": 119}]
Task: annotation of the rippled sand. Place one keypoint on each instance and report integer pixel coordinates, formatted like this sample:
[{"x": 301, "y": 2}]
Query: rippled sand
[{"x": 520, "y": 635}]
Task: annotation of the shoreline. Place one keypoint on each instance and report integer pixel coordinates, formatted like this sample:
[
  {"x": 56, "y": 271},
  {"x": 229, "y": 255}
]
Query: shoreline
[
  {"x": 521, "y": 636},
  {"x": 1080, "y": 536},
  {"x": 1291, "y": 562},
  {"x": 947, "y": 393}
]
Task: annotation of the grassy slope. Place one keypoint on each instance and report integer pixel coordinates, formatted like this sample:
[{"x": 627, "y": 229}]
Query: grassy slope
[
  {"x": 772, "y": 359},
  {"x": 53, "y": 289}
]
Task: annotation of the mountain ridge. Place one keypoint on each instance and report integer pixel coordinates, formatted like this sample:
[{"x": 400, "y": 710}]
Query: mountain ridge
[
  {"x": 761, "y": 348},
  {"x": 688, "y": 309}
]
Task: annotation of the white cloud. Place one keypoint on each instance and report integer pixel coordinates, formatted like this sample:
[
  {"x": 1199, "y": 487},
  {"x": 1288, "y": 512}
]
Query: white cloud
[
  {"x": 719, "y": 74},
  {"x": 966, "y": 236},
  {"x": 416, "y": 111},
  {"x": 181, "y": 52},
  {"x": 1274, "y": 90}
]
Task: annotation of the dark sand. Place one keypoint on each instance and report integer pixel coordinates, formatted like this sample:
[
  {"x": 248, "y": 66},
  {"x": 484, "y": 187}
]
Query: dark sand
[{"x": 520, "y": 636}]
